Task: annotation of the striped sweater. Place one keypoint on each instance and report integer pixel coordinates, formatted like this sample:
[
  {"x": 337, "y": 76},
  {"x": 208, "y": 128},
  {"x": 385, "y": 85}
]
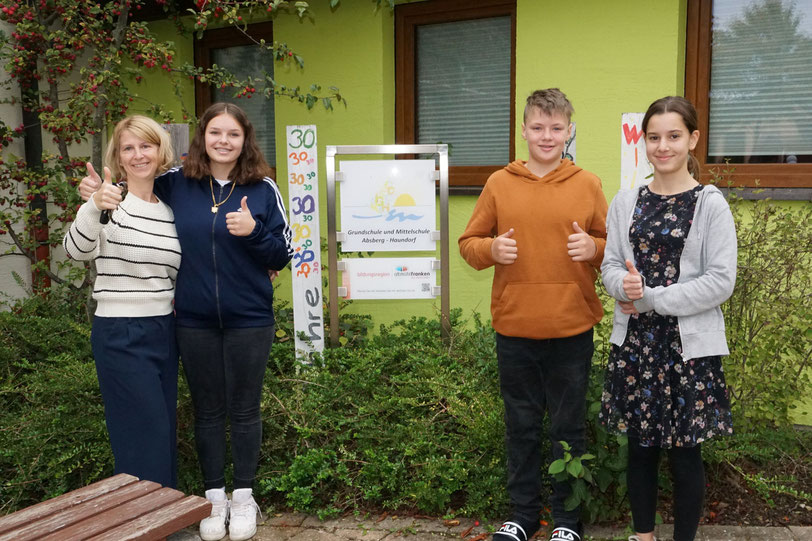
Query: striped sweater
[{"x": 137, "y": 256}]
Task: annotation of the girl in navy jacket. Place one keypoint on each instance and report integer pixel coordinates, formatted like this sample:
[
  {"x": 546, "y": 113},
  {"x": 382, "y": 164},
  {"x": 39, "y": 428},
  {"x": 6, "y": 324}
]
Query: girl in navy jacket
[{"x": 233, "y": 231}]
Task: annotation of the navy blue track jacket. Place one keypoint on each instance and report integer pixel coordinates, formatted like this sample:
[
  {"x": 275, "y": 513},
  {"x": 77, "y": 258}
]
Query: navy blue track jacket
[{"x": 223, "y": 279}]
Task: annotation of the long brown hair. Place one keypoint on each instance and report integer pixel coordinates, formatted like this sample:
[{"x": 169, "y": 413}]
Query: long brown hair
[
  {"x": 685, "y": 109},
  {"x": 251, "y": 166}
]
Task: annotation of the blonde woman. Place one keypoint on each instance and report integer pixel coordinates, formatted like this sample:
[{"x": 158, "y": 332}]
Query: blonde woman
[{"x": 137, "y": 255}]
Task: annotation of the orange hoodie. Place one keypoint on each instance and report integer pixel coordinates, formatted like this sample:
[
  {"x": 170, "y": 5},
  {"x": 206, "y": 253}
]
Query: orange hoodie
[{"x": 543, "y": 294}]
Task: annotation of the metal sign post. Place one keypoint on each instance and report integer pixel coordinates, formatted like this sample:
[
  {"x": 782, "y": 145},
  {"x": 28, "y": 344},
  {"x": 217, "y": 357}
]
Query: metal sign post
[{"x": 441, "y": 155}]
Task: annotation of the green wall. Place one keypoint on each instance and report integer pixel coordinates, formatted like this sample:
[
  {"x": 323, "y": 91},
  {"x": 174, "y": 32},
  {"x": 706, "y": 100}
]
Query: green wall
[
  {"x": 608, "y": 61},
  {"x": 351, "y": 47},
  {"x": 609, "y": 58},
  {"x": 156, "y": 86}
]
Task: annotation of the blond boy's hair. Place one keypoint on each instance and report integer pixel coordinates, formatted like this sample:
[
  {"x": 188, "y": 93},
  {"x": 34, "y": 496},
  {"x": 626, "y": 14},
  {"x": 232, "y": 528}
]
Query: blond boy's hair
[{"x": 549, "y": 101}]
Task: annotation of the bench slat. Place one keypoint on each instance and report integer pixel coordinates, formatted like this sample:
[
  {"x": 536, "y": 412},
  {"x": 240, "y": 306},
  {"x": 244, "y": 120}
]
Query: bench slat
[
  {"x": 37, "y": 528},
  {"x": 161, "y": 522},
  {"x": 70, "y": 499},
  {"x": 116, "y": 516}
]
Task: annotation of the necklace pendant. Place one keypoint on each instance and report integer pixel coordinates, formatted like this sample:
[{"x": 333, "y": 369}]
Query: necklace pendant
[{"x": 214, "y": 210}]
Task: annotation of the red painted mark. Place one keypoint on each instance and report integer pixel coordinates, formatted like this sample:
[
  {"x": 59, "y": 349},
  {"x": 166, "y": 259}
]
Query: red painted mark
[{"x": 631, "y": 134}]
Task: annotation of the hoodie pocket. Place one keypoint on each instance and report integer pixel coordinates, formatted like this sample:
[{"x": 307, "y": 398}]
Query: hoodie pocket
[
  {"x": 554, "y": 305},
  {"x": 709, "y": 321}
]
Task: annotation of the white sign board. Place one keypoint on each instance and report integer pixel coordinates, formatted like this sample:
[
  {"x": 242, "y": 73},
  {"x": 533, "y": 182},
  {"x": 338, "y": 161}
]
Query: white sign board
[
  {"x": 634, "y": 166},
  {"x": 389, "y": 278},
  {"x": 387, "y": 205},
  {"x": 303, "y": 199}
]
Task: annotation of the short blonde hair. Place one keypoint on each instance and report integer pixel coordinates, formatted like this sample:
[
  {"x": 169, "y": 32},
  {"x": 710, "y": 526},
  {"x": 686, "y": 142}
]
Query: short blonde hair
[
  {"x": 549, "y": 100},
  {"x": 144, "y": 128}
]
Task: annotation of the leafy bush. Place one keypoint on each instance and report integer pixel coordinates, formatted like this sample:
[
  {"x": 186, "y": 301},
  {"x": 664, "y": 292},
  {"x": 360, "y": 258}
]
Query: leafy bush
[
  {"x": 602, "y": 491},
  {"x": 52, "y": 418},
  {"x": 769, "y": 316},
  {"x": 401, "y": 420},
  {"x": 752, "y": 456}
]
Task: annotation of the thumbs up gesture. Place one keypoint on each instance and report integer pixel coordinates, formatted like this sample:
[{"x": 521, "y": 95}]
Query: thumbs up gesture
[
  {"x": 90, "y": 183},
  {"x": 108, "y": 195},
  {"x": 633, "y": 282},
  {"x": 580, "y": 246},
  {"x": 504, "y": 250},
  {"x": 241, "y": 223}
]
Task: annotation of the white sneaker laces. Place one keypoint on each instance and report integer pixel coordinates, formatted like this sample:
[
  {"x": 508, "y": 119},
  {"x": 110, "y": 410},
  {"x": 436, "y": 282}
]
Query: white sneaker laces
[{"x": 245, "y": 510}]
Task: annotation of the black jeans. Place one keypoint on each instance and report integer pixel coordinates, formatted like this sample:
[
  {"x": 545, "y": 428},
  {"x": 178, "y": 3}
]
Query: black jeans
[
  {"x": 688, "y": 476},
  {"x": 539, "y": 375},
  {"x": 225, "y": 369}
]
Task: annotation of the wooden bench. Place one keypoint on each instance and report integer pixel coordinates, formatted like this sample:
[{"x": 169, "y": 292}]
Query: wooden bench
[{"x": 116, "y": 509}]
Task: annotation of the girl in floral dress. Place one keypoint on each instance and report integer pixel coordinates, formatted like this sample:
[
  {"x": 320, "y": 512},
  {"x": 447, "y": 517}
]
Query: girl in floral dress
[{"x": 670, "y": 262}]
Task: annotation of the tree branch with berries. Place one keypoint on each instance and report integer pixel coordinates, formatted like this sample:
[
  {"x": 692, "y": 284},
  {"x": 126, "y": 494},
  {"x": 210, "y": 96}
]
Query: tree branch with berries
[{"x": 69, "y": 63}]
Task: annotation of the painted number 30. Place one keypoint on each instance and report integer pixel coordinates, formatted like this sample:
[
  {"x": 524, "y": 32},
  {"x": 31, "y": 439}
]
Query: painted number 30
[
  {"x": 306, "y": 204},
  {"x": 296, "y": 159},
  {"x": 304, "y": 139}
]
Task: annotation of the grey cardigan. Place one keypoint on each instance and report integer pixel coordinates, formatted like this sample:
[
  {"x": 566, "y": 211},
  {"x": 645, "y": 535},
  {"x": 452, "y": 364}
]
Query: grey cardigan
[{"x": 707, "y": 273}]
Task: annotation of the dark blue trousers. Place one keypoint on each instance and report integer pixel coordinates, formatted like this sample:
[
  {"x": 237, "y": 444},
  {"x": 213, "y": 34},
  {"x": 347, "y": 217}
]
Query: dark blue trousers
[
  {"x": 137, "y": 366},
  {"x": 538, "y": 376},
  {"x": 225, "y": 369}
]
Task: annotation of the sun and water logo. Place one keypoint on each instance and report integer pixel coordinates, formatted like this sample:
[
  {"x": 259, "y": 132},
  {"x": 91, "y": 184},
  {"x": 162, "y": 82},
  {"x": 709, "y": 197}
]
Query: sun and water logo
[{"x": 390, "y": 206}]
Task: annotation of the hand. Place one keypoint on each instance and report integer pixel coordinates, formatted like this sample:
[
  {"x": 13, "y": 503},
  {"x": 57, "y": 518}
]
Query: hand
[
  {"x": 504, "y": 250},
  {"x": 627, "y": 307},
  {"x": 241, "y": 223},
  {"x": 273, "y": 275},
  {"x": 580, "y": 246},
  {"x": 90, "y": 184},
  {"x": 108, "y": 196},
  {"x": 633, "y": 283}
]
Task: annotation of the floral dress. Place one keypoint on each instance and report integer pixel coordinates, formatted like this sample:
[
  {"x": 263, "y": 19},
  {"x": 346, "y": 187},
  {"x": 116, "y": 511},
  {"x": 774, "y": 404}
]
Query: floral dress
[{"x": 650, "y": 391}]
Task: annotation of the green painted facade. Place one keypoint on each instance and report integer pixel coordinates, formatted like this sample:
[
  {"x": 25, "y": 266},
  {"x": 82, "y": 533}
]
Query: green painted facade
[{"x": 608, "y": 61}]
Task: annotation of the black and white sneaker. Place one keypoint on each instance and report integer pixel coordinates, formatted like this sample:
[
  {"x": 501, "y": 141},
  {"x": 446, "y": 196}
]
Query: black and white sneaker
[
  {"x": 565, "y": 534},
  {"x": 512, "y": 531}
]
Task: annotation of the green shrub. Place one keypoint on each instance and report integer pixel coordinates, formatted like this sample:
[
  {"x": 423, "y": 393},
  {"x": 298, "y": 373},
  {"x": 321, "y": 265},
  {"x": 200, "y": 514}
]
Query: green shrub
[
  {"x": 606, "y": 497},
  {"x": 402, "y": 422},
  {"x": 753, "y": 455},
  {"x": 53, "y": 432},
  {"x": 769, "y": 316},
  {"x": 38, "y": 328}
]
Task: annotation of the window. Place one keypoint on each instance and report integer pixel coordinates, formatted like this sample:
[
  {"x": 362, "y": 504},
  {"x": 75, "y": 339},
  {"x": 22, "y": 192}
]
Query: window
[
  {"x": 455, "y": 82},
  {"x": 234, "y": 50},
  {"x": 749, "y": 72}
]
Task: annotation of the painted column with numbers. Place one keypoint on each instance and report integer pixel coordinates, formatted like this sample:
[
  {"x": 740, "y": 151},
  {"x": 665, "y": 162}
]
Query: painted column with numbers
[{"x": 306, "y": 271}]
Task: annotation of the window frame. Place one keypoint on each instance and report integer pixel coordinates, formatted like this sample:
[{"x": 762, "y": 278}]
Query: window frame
[
  {"x": 222, "y": 38},
  {"x": 697, "y": 89},
  {"x": 407, "y": 18}
]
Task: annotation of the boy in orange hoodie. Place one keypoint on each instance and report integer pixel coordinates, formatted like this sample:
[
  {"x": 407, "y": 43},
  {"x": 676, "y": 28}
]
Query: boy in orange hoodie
[{"x": 542, "y": 224}]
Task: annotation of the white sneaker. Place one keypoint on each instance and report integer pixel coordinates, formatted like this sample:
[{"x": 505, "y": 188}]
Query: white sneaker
[
  {"x": 213, "y": 527},
  {"x": 243, "y": 522}
]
